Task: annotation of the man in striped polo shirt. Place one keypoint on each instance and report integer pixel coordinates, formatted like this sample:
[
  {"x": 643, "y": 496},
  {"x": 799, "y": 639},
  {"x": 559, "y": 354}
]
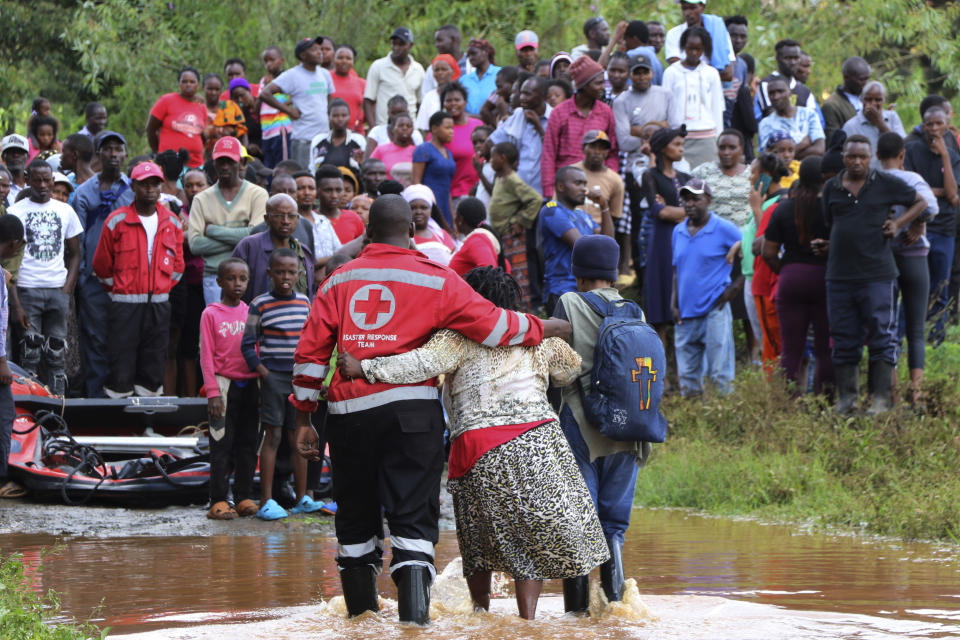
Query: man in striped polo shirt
[
  {"x": 274, "y": 323},
  {"x": 386, "y": 441}
]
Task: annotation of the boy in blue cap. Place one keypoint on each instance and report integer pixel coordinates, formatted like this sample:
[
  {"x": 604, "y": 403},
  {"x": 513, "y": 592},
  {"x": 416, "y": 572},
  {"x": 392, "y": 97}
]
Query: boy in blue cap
[{"x": 609, "y": 467}]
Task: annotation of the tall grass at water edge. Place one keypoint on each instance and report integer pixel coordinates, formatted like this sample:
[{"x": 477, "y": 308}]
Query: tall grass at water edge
[{"x": 763, "y": 452}]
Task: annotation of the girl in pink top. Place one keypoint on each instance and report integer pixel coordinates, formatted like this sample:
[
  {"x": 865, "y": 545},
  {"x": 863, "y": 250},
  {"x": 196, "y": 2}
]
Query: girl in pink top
[
  {"x": 400, "y": 148},
  {"x": 232, "y": 395}
]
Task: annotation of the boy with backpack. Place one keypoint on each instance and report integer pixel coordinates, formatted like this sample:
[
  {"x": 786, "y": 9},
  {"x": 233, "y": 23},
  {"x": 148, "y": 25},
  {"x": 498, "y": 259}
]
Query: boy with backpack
[{"x": 611, "y": 414}]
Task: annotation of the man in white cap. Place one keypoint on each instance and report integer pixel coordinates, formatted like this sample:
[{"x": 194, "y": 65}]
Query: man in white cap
[
  {"x": 14, "y": 151},
  {"x": 528, "y": 49}
]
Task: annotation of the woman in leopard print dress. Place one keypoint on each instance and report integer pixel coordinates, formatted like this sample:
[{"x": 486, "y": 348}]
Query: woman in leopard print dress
[{"x": 520, "y": 502}]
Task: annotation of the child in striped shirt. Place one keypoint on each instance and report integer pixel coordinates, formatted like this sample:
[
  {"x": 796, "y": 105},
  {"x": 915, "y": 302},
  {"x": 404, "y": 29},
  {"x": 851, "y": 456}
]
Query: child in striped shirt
[{"x": 274, "y": 323}]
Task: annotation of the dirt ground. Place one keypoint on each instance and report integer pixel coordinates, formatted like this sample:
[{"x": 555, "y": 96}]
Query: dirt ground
[{"x": 25, "y": 516}]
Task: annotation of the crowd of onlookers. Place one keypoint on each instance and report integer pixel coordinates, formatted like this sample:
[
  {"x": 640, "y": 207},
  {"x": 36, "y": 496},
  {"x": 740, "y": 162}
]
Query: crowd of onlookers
[{"x": 733, "y": 198}]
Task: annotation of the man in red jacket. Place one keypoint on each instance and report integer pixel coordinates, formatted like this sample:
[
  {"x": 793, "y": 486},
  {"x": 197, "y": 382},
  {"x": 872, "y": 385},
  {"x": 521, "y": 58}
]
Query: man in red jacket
[
  {"x": 386, "y": 441},
  {"x": 139, "y": 259}
]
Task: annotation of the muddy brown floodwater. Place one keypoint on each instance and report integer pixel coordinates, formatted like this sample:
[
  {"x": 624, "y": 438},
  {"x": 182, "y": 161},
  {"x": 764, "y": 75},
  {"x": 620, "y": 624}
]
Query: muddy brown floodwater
[{"x": 698, "y": 577}]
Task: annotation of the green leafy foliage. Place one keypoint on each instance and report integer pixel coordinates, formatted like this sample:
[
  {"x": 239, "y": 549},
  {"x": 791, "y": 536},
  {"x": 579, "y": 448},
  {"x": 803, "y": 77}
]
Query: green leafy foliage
[{"x": 126, "y": 52}]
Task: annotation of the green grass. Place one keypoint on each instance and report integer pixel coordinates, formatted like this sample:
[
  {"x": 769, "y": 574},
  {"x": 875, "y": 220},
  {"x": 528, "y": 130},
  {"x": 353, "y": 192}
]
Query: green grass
[
  {"x": 761, "y": 452},
  {"x": 26, "y": 615}
]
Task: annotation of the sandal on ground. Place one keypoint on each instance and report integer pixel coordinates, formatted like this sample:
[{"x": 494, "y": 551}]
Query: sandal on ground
[
  {"x": 271, "y": 511},
  {"x": 221, "y": 511},
  {"x": 12, "y": 490},
  {"x": 329, "y": 508},
  {"x": 247, "y": 507},
  {"x": 307, "y": 505}
]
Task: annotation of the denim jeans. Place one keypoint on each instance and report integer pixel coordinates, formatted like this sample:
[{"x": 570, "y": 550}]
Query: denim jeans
[
  {"x": 211, "y": 290},
  {"x": 612, "y": 480},
  {"x": 93, "y": 309},
  {"x": 939, "y": 261},
  {"x": 46, "y": 339},
  {"x": 275, "y": 149},
  {"x": 859, "y": 310},
  {"x": 705, "y": 348}
]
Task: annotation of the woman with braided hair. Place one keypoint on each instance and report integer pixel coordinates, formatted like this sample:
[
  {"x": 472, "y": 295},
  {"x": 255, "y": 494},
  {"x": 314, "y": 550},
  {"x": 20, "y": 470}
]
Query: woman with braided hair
[{"x": 520, "y": 502}]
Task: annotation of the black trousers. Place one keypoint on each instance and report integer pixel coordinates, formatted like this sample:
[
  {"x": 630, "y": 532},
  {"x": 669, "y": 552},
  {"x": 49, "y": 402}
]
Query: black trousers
[
  {"x": 236, "y": 448},
  {"x": 137, "y": 347},
  {"x": 390, "y": 456}
]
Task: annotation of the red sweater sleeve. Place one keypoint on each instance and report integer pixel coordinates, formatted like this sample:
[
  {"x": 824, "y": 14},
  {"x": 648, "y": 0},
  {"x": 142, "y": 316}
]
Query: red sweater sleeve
[
  {"x": 103, "y": 256},
  {"x": 548, "y": 160},
  {"x": 207, "y": 342},
  {"x": 613, "y": 158}
]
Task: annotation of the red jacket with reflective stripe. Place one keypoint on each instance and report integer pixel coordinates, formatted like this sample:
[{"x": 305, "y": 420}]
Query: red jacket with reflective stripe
[
  {"x": 121, "y": 257},
  {"x": 386, "y": 301}
]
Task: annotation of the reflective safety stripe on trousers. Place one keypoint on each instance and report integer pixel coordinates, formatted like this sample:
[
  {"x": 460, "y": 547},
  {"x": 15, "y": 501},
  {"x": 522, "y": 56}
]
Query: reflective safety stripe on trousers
[
  {"x": 139, "y": 297},
  {"x": 373, "y": 400},
  {"x": 360, "y": 549}
]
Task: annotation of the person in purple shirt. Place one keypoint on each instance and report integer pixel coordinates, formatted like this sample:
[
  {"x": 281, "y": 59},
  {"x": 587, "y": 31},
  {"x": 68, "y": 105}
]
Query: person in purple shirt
[{"x": 255, "y": 249}]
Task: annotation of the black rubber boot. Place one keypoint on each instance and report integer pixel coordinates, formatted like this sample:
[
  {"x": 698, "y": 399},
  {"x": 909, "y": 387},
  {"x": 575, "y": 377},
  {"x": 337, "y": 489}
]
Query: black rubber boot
[
  {"x": 611, "y": 573},
  {"x": 881, "y": 386},
  {"x": 576, "y": 594},
  {"x": 848, "y": 387},
  {"x": 359, "y": 589},
  {"x": 413, "y": 593}
]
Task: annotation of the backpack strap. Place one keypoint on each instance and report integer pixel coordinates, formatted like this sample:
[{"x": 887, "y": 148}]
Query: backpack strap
[{"x": 595, "y": 302}]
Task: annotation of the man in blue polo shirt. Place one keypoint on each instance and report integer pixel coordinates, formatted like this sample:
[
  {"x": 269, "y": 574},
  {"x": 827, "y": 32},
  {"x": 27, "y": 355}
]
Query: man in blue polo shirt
[
  {"x": 703, "y": 250},
  {"x": 561, "y": 223}
]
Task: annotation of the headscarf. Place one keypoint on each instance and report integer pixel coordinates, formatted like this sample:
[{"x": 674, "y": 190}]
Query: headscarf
[
  {"x": 480, "y": 43},
  {"x": 662, "y": 137},
  {"x": 418, "y": 192},
  {"x": 450, "y": 60},
  {"x": 775, "y": 137}
]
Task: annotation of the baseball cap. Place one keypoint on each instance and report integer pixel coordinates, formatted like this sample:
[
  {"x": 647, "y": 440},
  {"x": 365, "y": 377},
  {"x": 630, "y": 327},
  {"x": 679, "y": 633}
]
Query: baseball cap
[
  {"x": 640, "y": 61},
  {"x": 227, "y": 147},
  {"x": 697, "y": 187},
  {"x": 59, "y": 177},
  {"x": 103, "y": 136},
  {"x": 596, "y": 135},
  {"x": 146, "y": 170},
  {"x": 526, "y": 38},
  {"x": 14, "y": 141},
  {"x": 305, "y": 44},
  {"x": 403, "y": 33}
]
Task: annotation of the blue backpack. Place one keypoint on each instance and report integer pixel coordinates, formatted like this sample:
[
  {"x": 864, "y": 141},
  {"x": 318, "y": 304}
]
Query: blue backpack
[{"x": 626, "y": 382}]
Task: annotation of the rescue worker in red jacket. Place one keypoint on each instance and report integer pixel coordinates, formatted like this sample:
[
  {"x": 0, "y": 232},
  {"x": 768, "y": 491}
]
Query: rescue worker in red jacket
[
  {"x": 386, "y": 441},
  {"x": 139, "y": 259}
]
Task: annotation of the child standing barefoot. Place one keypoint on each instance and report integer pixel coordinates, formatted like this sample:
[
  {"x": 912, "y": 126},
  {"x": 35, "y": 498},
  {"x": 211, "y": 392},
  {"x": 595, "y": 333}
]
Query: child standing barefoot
[{"x": 232, "y": 395}]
